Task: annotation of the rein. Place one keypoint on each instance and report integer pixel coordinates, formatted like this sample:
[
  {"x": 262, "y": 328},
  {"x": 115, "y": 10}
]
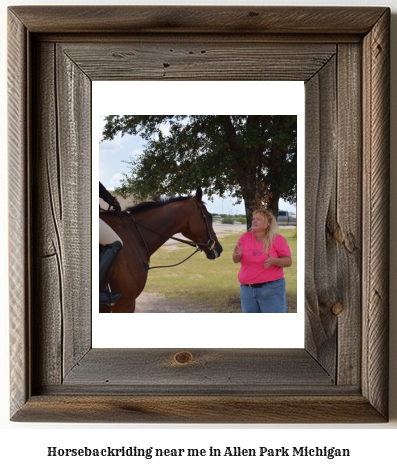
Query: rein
[{"x": 192, "y": 244}]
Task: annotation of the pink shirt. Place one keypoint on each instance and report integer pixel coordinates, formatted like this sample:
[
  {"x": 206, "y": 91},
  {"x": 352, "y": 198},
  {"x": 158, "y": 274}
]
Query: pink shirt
[{"x": 252, "y": 268}]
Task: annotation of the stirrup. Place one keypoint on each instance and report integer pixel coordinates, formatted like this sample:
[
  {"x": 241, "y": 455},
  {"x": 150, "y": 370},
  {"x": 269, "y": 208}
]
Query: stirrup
[{"x": 108, "y": 298}]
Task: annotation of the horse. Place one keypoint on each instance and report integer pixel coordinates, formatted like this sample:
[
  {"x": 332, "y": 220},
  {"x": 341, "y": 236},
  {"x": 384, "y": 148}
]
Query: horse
[{"x": 144, "y": 228}]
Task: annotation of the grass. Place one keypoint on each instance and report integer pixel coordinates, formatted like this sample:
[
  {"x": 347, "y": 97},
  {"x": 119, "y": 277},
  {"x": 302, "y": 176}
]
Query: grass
[{"x": 213, "y": 282}]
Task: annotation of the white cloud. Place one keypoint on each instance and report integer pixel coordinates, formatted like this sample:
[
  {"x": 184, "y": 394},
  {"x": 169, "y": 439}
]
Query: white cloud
[
  {"x": 136, "y": 153},
  {"x": 112, "y": 146},
  {"x": 115, "y": 180},
  {"x": 165, "y": 129}
]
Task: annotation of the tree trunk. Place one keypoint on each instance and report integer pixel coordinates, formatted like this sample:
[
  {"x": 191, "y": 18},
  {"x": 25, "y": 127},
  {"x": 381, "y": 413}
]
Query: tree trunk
[
  {"x": 273, "y": 205},
  {"x": 249, "y": 204}
]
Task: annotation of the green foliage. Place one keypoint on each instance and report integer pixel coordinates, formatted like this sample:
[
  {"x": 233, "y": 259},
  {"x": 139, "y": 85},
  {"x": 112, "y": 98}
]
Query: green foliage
[
  {"x": 227, "y": 220},
  {"x": 251, "y": 158},
  {"x": 241, "y": 219}
]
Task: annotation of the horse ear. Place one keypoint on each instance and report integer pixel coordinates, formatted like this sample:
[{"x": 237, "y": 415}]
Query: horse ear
[{"x": 199, "y": 194}]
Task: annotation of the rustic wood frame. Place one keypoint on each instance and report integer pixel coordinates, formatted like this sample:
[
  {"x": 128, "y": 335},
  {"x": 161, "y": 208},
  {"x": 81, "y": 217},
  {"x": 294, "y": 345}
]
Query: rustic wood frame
[{"x": 343, "y": 56}]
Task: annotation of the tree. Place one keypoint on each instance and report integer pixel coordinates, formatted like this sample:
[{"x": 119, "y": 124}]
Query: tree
[{"x": 252, "y": 158}]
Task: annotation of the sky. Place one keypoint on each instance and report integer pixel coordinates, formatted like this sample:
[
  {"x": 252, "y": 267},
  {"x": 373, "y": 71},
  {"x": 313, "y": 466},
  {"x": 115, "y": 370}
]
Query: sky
[{"x": 113, "y": 156}]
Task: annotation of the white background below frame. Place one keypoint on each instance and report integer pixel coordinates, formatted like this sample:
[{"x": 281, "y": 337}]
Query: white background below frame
[{"x": 199, "y": 330}]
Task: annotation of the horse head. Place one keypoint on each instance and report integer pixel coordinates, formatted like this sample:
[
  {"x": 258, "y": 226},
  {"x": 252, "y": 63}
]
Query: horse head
[{"x": 201, "y": 231}]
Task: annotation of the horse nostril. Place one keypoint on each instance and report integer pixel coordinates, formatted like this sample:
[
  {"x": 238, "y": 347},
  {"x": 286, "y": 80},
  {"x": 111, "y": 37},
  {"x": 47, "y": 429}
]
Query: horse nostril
[
  {"x": 215, "y": 253},
  {"x": 219, "y": 249}
]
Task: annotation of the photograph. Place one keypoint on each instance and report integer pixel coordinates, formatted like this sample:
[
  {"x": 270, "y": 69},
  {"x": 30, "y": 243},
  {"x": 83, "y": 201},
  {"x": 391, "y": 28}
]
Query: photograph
[
  {"x": 198, "y": 213},
  {"x": 254, "y": 158}
]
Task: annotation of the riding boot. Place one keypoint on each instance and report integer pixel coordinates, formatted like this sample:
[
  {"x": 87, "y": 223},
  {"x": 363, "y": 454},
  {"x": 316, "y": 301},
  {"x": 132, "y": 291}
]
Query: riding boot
[{"x": 106, "y": 260}]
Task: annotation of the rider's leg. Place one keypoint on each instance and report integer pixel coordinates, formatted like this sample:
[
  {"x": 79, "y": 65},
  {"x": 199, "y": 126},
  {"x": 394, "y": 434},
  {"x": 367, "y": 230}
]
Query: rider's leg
[
  {"x": 112, "y": 246},
  {"x": 106, "y": 234},
  {"x": 106, "y": 260}
]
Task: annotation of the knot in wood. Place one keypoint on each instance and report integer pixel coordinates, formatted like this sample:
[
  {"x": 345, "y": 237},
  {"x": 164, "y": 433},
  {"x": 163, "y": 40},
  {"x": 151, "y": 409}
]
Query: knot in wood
[
  {"x": 338, "y": 235},
  {"x": 337, "y": 308},
  {"x": 183, "y": 358}
]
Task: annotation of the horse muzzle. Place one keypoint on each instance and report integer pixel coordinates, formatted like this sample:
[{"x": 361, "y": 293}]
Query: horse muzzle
[{"x": 215, "y": 252}]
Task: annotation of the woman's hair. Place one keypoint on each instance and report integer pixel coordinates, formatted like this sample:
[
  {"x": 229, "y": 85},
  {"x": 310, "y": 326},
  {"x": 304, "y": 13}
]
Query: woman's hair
[{"x": 272, "y": 230}]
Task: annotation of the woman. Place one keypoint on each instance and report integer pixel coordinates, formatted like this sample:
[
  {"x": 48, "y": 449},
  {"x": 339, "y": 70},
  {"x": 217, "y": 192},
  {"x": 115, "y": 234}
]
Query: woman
[
  {"x": 112, "y": 245},
  {"x": 263, "y": 253}
]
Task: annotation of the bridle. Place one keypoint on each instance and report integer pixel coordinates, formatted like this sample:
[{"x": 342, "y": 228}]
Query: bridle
[
  {"x": 211, "y": 237},
  {"x": 211, "y": 243}
]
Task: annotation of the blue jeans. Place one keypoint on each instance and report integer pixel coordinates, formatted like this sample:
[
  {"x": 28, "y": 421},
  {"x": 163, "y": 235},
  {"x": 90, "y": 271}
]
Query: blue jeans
[{"x": 270, "y": 298}]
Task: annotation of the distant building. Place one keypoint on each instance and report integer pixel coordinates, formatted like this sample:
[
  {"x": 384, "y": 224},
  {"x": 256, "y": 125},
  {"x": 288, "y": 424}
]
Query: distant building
[{"x": 124, "y": 203}]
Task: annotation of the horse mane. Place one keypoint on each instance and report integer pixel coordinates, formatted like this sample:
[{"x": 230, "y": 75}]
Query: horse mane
[{"x": 156, "y": 202}]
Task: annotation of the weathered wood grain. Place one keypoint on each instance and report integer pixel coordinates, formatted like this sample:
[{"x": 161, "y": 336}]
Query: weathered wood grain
[
  {"x": 157, "y": 39},
  {"x": 345, "y": 228},
  {"x": 196, "y": 19},
  {"x": 74, "y": 179},
  {"x": 342, "y": 374},
  {"x": 376, "y": 142},
  {"x": 62, "y": 169},
  {"x": 333, "y": 184},
  {"x": 199, "y": 409},
  {"x": 207, "y": 59},
  {"x": 19, "y": 222},
  {"x": 320, "y": 175},
  {"x": 246, "y": 369},
  {"x": 47, "y": 267}
]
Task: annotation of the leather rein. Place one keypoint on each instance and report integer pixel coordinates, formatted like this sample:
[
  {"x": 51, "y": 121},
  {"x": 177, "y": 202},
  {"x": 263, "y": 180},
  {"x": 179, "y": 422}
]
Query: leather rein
[{"x": 210, "y": 243}]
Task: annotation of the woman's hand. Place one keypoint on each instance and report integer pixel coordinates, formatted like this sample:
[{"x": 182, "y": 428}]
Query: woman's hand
[
  {"x": 279, "y": 262},
  {"x": 237, "y": 253},
  {"x": 270, "y": 261}
]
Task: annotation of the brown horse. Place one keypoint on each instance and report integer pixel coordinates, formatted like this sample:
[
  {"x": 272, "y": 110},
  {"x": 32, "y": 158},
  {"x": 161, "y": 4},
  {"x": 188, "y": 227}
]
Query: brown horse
[{"x": 146, "y": 227}]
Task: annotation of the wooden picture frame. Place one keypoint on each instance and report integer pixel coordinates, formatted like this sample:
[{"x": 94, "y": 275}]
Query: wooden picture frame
[{"x": 342, "y": 54}]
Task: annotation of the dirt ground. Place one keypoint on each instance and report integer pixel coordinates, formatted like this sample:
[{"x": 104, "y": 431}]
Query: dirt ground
[{"x": 155, "y": 302}]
